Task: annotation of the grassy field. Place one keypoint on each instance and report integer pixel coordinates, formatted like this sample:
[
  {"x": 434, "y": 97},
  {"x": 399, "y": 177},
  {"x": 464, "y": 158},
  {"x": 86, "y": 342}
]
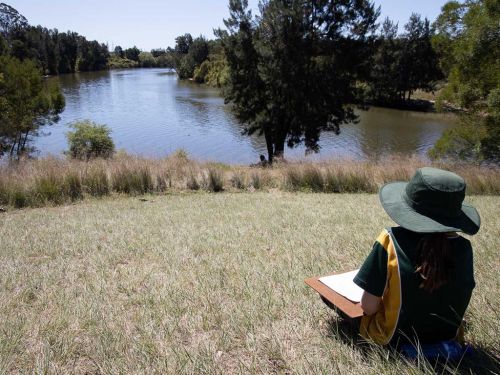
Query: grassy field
[{"x": 205, "y": 283}]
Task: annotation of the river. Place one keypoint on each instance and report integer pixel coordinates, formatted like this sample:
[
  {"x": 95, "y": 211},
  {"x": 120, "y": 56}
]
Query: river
[{"x": 152, "y": 113}]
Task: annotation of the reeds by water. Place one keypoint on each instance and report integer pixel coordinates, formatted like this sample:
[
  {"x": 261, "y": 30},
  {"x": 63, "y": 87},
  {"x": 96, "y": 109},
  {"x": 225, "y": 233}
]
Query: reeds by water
[{"x": 54, "y": 181}]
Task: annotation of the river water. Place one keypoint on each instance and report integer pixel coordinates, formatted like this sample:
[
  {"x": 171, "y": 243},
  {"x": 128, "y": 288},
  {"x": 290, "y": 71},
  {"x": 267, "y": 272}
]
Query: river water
[{"x": 152, "y": 113}]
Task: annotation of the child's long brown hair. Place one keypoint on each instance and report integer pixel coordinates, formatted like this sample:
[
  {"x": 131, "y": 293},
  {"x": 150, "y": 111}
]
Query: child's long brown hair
[{"x": 434, "y": 261}]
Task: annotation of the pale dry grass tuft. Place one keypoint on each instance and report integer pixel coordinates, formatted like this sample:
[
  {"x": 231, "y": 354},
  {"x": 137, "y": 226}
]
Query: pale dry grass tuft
[
  {"x": 205, "y": 283},
  {"x": 54, "y": 181}
]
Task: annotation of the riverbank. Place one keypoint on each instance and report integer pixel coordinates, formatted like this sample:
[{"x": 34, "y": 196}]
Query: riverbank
[
  {"x": 56, "y": 181},
  {"x": 205, "y": 283}
]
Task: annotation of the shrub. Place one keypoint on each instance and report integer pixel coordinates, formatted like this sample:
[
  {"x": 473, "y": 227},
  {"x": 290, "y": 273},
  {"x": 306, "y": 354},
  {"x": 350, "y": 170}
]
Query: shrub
[{"x": 90, "y": 140}]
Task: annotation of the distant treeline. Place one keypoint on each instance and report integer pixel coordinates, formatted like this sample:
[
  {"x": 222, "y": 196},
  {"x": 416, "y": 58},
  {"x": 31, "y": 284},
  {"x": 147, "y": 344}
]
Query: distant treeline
[
  {"x": 396, "y": 65},
  {"x": 55, "y": 52}
]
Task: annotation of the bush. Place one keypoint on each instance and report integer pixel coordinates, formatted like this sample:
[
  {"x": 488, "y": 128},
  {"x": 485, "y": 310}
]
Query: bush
[{"x": 90, "y": 140}]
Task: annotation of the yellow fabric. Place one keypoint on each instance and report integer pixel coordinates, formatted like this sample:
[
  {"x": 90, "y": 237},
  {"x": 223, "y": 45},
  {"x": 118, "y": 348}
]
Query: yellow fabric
[{"x": 381, "y": 326}]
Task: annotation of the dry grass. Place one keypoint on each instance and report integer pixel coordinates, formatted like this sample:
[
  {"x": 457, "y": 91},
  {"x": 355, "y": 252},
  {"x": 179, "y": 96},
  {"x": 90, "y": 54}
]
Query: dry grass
[
  {"x": 52, "y": 181},
  {"x": 205, "y": 283}
]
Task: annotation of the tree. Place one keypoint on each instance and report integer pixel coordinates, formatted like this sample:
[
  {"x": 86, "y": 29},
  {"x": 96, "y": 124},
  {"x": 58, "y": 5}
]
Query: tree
[
  {"x": 132, "y": 53},
  {"x": 182, "y": 43},
  {"x": 147, "y": 60},
  {"x": 4, "y": 48},
  {"x": 26, "y": 104},
  {"x": 90, "y": 140},
  {"x": 468, "y": 34},
  {"x": 385, "y": 71},
  {"x": 419, "y": 68},
  {"x": 93, "y": 56},
  {"x": 68, "y": 52},
  {"x": 119, "y": 52},
  {"x": 293, "y": 70}
]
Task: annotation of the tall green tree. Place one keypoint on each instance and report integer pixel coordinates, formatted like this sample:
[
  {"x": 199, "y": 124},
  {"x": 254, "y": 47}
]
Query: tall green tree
[
  {"x": 468, "y": 35},
  {"x": 293, "y": 70},
  {"x": 385, "y": 72},
  {"x": 132, "y": 53},
  {"x": 419, "y": 67},
  {"x": 27, "y": 103},
  {"x": 93, "y": 56}
]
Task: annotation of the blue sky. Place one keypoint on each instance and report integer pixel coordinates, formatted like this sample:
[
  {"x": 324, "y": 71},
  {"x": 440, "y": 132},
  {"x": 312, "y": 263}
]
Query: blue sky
[{"x": 155, "y": 23}]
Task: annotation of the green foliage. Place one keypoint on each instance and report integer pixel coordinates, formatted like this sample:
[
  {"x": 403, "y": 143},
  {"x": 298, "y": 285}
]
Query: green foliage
[
  {"x": 403, "y": 64},
  {"x": 90, "y": 140},
  {"x": 93, "y": 56},
  {"x": 213, "y": 73},
  {"x": 190, "y": 54},
  {"x": 4, "y": 48},
  {"x": 116, "y": 62},
  {"x": 288, "y": 96},
  {"x": 182, "y": 44},
  {"x": 467, "y": 37},
  {"x": 132, "y": 53},
  {"x": 147, "y": 60},
  {"x": 26, "y": 104}
]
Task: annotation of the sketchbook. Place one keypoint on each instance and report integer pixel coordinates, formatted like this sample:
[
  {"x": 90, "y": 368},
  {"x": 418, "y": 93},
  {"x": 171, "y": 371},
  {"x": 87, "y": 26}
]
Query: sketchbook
[
  {"x": 340, "y": 291},
  {"x": 343, "y": 284}
]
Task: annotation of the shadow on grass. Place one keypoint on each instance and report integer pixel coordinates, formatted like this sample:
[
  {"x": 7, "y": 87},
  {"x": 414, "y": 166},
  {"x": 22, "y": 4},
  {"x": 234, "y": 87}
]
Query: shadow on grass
[{"x": 478, "y": 360}]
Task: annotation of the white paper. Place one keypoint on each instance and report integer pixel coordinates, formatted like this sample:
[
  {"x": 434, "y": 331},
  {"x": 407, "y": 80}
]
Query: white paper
[{"x": 343, "y": 284}]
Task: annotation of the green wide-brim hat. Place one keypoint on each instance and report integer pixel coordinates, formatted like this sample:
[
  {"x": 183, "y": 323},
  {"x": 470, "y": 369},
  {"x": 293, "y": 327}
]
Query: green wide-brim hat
[{"x": 431, "y": 202}]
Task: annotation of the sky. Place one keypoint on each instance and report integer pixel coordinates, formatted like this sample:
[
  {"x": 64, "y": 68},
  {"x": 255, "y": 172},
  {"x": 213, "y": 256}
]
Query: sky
[{"x": 155, "y": 23}]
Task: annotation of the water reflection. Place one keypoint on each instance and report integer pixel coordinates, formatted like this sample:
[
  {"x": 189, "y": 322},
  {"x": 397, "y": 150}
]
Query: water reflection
[{"x": 152, "y": 113}]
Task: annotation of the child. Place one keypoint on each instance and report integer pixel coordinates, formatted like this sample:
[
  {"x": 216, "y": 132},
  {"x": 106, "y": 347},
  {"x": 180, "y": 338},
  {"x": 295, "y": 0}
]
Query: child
[{"x": 418, "y": 278}]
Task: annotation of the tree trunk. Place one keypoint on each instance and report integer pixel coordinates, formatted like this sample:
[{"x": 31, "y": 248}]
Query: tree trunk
[
  {"x": 279, "y": 147},
  {"x": 270, "y": 146}
]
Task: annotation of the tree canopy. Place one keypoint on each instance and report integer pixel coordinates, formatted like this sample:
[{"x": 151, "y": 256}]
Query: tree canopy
[
  {"x": 293, "y": 69},
  {"x": 26, "y": 104},
  {"x": 468, "y": 39}
]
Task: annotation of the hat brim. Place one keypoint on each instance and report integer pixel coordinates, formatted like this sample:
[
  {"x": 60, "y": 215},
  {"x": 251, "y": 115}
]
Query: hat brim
[{"x": 391, "y": 197}]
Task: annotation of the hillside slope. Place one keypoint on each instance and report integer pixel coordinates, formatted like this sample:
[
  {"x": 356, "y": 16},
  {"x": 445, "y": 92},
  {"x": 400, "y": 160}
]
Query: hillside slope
[{"x": 203, "y": 283}]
